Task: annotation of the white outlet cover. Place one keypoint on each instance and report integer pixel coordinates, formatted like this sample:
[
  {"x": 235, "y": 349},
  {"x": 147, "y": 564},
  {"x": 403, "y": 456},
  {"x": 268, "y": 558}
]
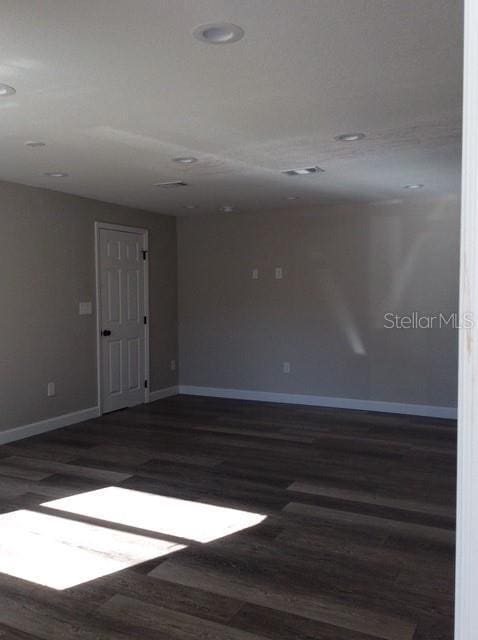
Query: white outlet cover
[
  {"x": 286, "y": 367},
  {"x": 51, "y": 390},
  {"x": 85, "y": 308},
  {"x": 278, "y": 273}
]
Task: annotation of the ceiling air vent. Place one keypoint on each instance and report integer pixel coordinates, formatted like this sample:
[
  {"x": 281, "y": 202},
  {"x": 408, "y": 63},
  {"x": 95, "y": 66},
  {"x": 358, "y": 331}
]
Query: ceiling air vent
[
  {"x": 306, "y": 171},
  {"x": 171, "y": 185}
]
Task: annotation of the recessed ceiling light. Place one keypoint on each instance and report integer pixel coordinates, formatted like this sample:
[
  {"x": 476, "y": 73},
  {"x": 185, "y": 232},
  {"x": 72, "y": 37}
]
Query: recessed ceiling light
[
  {"x": 292, "y": 197},
  {"x": 171, "y": 185},
  {"x": 56, "y": 174},
  {"x": 414, "y": 186},
  {"x": 218, "y": 33},
  {"x": 350, "y": 137},
  {"x": 227, "y": 208},
  {"x": 303, "y": 171},
  {"x": 35, "y": 143},
  {"x": 6, "y": 90},
  {"x": 190, "y": 206},
  {"x": 186, "y": 160}
]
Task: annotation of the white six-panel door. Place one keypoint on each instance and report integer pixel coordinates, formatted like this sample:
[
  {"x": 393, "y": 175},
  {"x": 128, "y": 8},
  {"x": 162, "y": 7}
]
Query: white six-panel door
[{"x": 122, "y": 317}]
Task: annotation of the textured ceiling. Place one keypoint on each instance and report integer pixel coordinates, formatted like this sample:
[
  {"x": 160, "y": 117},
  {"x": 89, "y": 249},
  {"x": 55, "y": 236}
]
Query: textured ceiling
[{"x": 117, "y": 88}]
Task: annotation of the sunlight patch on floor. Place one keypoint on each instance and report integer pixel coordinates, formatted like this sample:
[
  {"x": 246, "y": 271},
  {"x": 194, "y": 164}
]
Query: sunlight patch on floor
[
  {"x": 161, "y": 514},
  {"x": 60, "y": 553}
]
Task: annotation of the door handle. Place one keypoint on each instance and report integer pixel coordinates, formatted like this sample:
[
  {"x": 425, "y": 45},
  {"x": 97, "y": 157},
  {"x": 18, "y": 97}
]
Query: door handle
[{"x": 106, "y": 332}]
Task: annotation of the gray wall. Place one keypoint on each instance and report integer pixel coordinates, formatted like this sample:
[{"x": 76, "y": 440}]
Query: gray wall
[
  {"x": 344, "y": 267},
  {"x": 47, "y": 267}
]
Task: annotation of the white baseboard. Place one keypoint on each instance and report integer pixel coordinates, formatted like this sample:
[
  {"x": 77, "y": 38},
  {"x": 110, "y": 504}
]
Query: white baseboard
[
  {"x": 163, "y": 393},
  {"x": 35, "y": 428},
  {"x": 323, "y": 401},
  {"x": 67, "y": 419}
]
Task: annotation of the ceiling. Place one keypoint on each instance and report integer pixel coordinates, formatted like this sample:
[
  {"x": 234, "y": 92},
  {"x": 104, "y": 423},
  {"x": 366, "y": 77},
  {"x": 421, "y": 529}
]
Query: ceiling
[{"x": 117, "y": 88}]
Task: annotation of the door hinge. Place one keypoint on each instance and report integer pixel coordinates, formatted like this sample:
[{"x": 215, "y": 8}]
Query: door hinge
[
  {"x": 145, "y": 384},
  {"x": 145, "y": 320},
  {"x": 145, "y": 254}
]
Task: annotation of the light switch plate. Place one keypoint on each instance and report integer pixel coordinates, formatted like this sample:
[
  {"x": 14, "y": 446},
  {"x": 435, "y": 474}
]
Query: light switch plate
[
  {"x": 85, "y": 308},
  {"x": 255, "y": 274},
  {"x": 278, "y": 273}
]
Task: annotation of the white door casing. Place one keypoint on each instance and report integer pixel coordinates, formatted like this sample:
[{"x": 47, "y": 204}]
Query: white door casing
[
  {"x": 466, "y": 594},
  {"x": 122, "y": 316}
]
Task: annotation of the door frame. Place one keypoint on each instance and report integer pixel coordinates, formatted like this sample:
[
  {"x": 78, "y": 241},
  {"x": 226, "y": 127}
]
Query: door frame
[
  {"x": 466, "y": 611},
  {"x": 145, "y": 235}
]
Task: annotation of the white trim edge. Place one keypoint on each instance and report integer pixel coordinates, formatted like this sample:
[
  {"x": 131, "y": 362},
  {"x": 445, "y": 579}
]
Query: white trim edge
[
  {"x": 322, "y": 401},
  {"x": 163, "y": 393},
  {"x": 50, "y": 424},
  {"x": 466, "y": 581}
]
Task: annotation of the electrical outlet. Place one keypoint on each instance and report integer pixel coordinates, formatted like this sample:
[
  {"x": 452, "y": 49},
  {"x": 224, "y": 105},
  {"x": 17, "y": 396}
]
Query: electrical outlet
[
  {"x": 85, "y": 308},
  {"x": 255, "y": 274},
  {"x": 173, "y": 365},
  {"x": 286, "y": 367},
  {"x": 51, "y": 389},
  {"x": 278, "y": 273}
]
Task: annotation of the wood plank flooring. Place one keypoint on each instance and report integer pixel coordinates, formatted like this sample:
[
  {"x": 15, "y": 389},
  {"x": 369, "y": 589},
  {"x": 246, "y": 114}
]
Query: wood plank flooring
[{"x": 357, "y": 542}]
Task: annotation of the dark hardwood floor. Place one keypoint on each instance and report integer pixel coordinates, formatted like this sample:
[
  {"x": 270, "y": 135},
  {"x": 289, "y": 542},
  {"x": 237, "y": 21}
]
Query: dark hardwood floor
[{"x": 357, "y": 544}]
